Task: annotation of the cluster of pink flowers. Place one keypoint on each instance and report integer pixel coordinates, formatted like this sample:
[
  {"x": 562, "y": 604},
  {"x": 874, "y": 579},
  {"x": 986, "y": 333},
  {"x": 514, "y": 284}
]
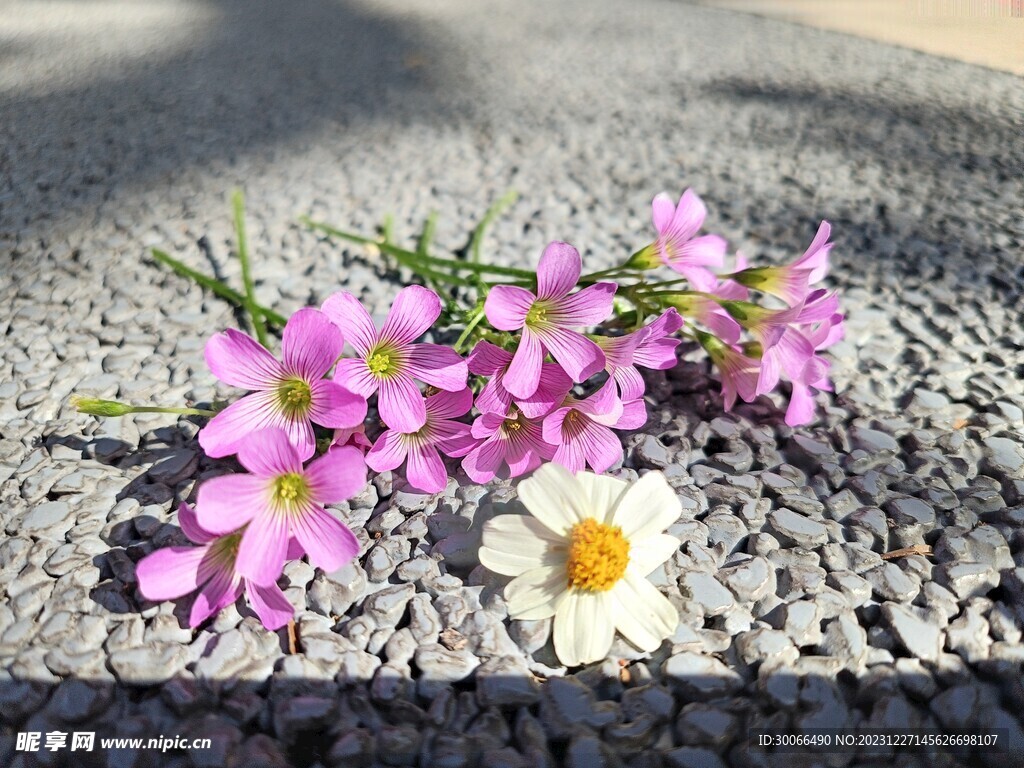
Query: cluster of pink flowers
[{"x": 538, "y": 386}]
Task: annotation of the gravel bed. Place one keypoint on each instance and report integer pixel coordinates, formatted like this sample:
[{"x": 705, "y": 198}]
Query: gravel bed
[{"x": 126, "y": 127}]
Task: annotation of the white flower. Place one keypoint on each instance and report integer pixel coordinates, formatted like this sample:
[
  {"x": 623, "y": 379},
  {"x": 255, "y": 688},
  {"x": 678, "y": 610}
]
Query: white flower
[{"x": 584, "y": 557}]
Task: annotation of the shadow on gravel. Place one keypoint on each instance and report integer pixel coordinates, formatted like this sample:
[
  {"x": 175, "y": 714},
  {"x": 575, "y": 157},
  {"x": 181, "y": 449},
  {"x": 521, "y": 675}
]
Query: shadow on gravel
[
  {"x": 266, "y": 715},
  {"x": 260, "y": 74}
]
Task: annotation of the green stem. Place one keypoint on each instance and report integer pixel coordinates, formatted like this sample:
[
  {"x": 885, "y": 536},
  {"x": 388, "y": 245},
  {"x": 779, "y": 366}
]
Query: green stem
[
  {"x": 427, "y": 236},
  {"x": 218, "y": 288},
  {"x": 499, "y": 206},
  {"x": 399, "y": 253},
  {"x": 258, "y": 323},
  {"x": 474, "y": 321},
  {"x": 115, "y": 408}
]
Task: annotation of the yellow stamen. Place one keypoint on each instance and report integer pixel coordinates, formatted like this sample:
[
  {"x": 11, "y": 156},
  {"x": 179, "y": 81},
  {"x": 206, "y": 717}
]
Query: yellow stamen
[
  {"x": 290, "y": 490},
  {"x": 537, "y": 314},
  {"x": 598, "y": 556},
  {"x": 294, "y": 397},
  {"x": 379, "y": 363}
]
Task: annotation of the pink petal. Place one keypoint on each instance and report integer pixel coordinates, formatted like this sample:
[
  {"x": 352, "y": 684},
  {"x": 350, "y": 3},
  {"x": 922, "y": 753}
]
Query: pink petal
[
  {"x": 337, "y": 475},
  {"x": 506, "y": 307},
  {"x": 241, "y": 361},
  {"x": 270, "y": 605},
  {"x": 328, "y": 542},
  {"x": 345, "y": 311},
  {"x": 704, "y": 251},
  {"x": 579, "y": 356},
  {"x": 310, "y": 344},
  {"x": 494, "y": 398},
  {"x": 634, "y": 415},
  {"x": 815, "y": 258},
  {"x": 523, "y": 458},
  {"x": 552, "y": 426},
  {"x": 424, "y": 469},
  {"x": 570, "y": 455},
  {"x": 771, "y": 372},
  {"x": 589, "y": 306},
  {"x": 486, "y": 359},
  {"x": 449, "y": 405},
  {"x": 438, "y": 366},
  {"x": 388, "y": 452},
  {"x": 169, "y": 573},
  {"x": 801, "y": 405},
  {"x": 269, "y": 453},
  {"x": 689, "y": 216},
  {"x": 523, "y": 375},
  {"x": 662, "y": 211},
  {"x": 401, "y": 405},
  {"x": 793, "y": 351},
  {"x": 483, "y": 462},
  {"x": 559, "y": 269},
  {"x": 300, "y": 434},
  {"x": 218, "y": 593},
  {"x": 453, "y": 438},
  {"x": 226, "y": 503},
  {"x": 263, "y": 548},
  {"x": 355, "y": 376},
  {"x": 413, "y": 312},
  {"x": 701, "y": 279},
  {"x": 658, "y": 355},
  {"x": 723, "y": 326},
  {"x": 552, "y": 388},
  {"x": 630, "y": 382},
  {"x": 601, "y": 447},
  {"x": 334, "y": 406},
  {"x": 189, "y": 524},
  {"x": 295, "y": 550},
  {"x": 820, "y": 305},
  {"x": 604, "y": 406},
  {"x": 486, "y": 425},
  {"x": 223, "y": 434}
]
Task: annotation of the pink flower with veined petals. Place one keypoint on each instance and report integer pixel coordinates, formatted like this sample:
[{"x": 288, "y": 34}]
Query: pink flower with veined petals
[
  {"x": 548, "y": 319},
  {"x": 420, "y": 449},
  {"x": 512, "y": 440},
  {"x": 174, "y": 572},
  {"x": 355, "y": 437},
  {"x": 791, "y": 282},
  {"x": 486, "y": 359},
  {"x": 739, "y": 372},
  {"x": 581, "y": 430},
  {"x": 818, "y": 326},
  {"x": 279, "y": 499},
  {"x": 290, "y": 396},
  {"x": 678, "y": 245},
  {"x": 650, "y": 347},
  {"x": 388, "y": 359}
]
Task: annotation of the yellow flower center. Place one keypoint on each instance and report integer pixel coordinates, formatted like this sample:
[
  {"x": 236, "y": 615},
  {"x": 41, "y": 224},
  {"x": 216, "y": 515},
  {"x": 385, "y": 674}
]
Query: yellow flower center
[
  {"x": 598, "y": 556},
  {"x": 537, "y": 314},
  {"x": 379, "y": 363},
  {"x": 511, "y": 425},
  {"x": 290, "y": 490},
  {"x": 294, "y": 397}
]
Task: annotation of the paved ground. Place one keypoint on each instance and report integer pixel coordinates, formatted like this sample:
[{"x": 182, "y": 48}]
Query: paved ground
[{"x": 126, "y": 126}]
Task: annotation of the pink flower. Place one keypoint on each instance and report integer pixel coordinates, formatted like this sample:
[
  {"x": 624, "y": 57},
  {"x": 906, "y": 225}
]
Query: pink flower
[
  {"x": 355, "y": 437},
  {"x": 486, "y": 359},
  {"x": 174, "y": 572},
  {"x": 739, "y": 372},
  {"x": 548, "y": 319},
  {"x": 279, "y": 499},
  {"x": 289, "y": 396},
  {"x": 818, "y": 326},
  {"x": 650, "y": 347},
  {"x": 420, "y": 449},
  {"x": 581, "y": 429},
  {"x": 512, "y": 439},
  {"x": 389, "y": 361},
  {"x": 791, "y": 282},
  {"x": 677, "y": 245}
]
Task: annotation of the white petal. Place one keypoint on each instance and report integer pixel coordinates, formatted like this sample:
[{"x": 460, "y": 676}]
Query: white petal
[
  {"x": 641, "y": 613},
  {"x": 555, "y": 497},
  {"x": 647, "y": 554},
  {"x": 516, "y": 543},
  {"x": 535, "y": 594},
  {"x": 604, "y": 493},
  {"x": 583, "y": 629},
  {"x": 648, "y": 507}
]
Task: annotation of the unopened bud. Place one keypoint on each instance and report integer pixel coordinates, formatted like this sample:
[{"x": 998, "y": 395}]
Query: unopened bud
[{"x": 97, "y": 407}]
